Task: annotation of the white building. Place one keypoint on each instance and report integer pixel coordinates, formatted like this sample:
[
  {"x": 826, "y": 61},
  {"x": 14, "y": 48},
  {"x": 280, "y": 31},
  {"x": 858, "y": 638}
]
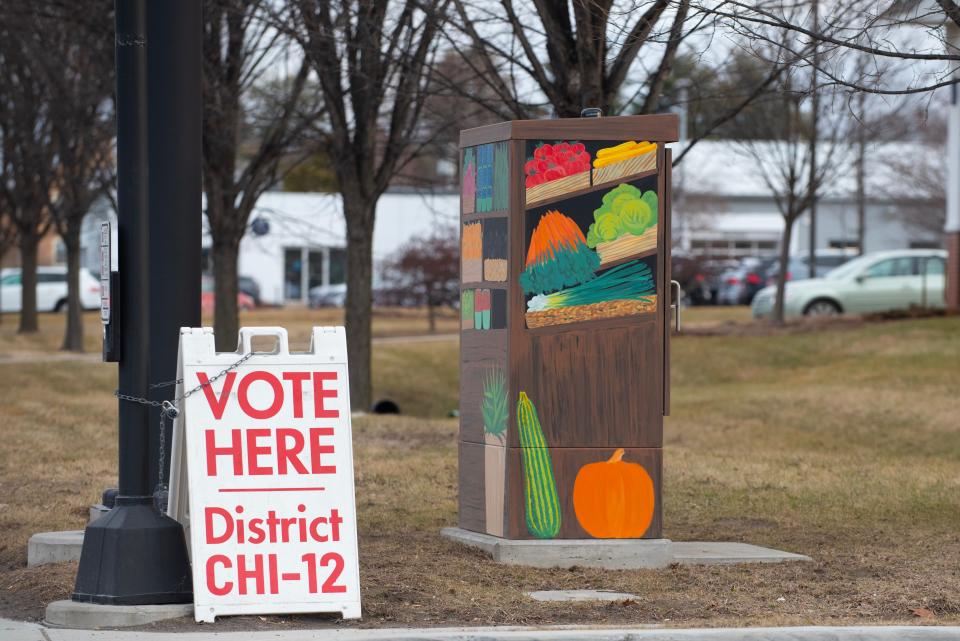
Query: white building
[
  {"x": 305, "y": 240},
  {"x": 723, "y": 208},
  {"x": 305, "y": 244}
]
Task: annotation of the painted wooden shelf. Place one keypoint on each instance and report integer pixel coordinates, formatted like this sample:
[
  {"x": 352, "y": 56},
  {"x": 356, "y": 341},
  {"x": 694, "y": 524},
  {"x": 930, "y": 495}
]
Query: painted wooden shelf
[
  {"x": 585, "y": 190},
  {"x": 475, "y": 216},
  {"x": 620, "y": 261},
  {"x": 599, "y": 323}
]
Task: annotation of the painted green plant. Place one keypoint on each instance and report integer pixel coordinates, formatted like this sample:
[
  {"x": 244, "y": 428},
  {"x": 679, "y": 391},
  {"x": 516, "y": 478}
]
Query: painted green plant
[
  {"x": 466, "y": 305},
  {"x": 494, "y": 404},
  {"x": 624, "y": 210}
]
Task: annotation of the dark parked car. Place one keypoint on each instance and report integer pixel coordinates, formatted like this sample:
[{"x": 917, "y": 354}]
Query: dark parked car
[
  {"x": 250, "y": 287},
  {"x": 207, "y": 297},
  {"x": 739, "y": 285},
  {"x": 694, "y": 279},
  {"x": 798, "y": 268}
]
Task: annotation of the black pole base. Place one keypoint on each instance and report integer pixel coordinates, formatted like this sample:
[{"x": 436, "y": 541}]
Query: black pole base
[{"x": 134, "y": 555}]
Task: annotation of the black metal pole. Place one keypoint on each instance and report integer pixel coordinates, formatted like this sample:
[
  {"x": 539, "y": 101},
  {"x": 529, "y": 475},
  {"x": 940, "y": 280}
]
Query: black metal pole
[
  {"x": 133, "y": 243},
  {"x": 175, "y": 118},
  {"x": 134, "y": 555}
]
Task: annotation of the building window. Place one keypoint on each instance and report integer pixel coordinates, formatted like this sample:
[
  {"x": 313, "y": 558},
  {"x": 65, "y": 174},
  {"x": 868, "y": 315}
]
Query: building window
[
  {"x": 924, "y": 244},
  {"x": 315, "y": 278},
  {"x": 844, "y": 243},
  {"x": 726, "y": 249},
  {"x": 338, "y": 266},
  {"x": 292, "y": 274}
]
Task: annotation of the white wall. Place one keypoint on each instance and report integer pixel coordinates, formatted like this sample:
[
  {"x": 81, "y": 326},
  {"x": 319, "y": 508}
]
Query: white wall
[{"x": 315, "y": 220}]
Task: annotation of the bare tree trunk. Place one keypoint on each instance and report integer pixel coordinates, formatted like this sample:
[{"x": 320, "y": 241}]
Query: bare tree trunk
[
  {"x": 812, "y": 179},
  {"x": 431, "y": 311},
  {"x": 73, "y": 335},
  {"x": 226, "y": 322},
  {"x": 861, "y": 178},
  {"x": 360, "y": 219},
  {"x": 28, "y": 284},
  {"x": 778, "y": 316},
  {"x": 3, "y": 253}
]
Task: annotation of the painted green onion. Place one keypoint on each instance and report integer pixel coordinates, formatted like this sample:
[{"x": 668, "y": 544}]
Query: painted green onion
[{"x": 629, "y": 281}]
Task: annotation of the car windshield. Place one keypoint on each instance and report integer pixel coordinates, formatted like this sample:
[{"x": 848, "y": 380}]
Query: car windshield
[{"x": 850, "y": 268}]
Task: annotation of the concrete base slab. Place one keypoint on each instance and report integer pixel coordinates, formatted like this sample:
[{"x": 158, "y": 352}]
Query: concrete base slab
[
  {"x": 616, "y": 554},
  {"x": 91, "y": 616},
  {"x": 54, "y": 547},
  {"x": 720, "y": 553},
  {"x": 611, "y": 554},
  {"x": 580, "y": 595},
  {"x": 22, "y": 635},
  {"x": 20, "y": 631},
  {"x": 98, "y": 510}
]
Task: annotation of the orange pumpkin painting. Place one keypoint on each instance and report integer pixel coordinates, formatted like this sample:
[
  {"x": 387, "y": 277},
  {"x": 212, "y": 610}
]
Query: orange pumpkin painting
[{"x": 614, "y": 499}]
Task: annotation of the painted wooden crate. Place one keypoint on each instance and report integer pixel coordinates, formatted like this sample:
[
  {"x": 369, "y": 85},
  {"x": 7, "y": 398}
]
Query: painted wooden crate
[{"x": 564, "y": 378}]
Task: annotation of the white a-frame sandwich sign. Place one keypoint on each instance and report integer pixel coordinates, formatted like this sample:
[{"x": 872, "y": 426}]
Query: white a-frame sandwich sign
[{"x": 262, "y": 475}]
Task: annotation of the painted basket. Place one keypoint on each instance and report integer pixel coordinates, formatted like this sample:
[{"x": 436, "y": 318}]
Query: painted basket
[
  {"x": 580, "y": 313},
  {"x": 471, "y": 270},
  {"x": 627, "y": 246},
  {"x": 558, "y": 187},
  {"x": 625, "y": 168},
  {"x": 495, "y": 269}
]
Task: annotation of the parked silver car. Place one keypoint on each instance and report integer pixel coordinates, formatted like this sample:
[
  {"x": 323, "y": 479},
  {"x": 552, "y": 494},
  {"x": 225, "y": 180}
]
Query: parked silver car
[{"x": 876, "y": 282}]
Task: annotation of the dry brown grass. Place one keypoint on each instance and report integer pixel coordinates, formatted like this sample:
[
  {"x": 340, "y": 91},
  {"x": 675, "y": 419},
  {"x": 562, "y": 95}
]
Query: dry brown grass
[
  {"x": 712, "y": 315},
  {"x": 387, "y": 321},
  {"x": 843, "y": 445}
]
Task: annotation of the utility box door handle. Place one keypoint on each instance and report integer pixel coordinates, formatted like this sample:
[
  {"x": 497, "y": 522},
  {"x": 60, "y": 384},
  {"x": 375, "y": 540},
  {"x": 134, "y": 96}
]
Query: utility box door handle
[{"x": 676, "y": 294}]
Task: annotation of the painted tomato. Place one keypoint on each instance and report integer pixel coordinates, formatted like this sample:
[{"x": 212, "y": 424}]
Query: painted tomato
[{"x": 553, "y": 173}]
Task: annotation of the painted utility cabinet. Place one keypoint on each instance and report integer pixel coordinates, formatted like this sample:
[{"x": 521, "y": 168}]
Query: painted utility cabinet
[{"x": 565, "y": 326}]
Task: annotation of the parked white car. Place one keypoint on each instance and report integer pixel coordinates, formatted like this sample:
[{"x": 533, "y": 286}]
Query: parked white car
[
  {"x": 877, "y": 282},
  {"x": 51, "y": 289}
]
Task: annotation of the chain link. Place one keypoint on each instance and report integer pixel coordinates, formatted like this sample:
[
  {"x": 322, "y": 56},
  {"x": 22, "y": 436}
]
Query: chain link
[{"x": 171, "y": 410}]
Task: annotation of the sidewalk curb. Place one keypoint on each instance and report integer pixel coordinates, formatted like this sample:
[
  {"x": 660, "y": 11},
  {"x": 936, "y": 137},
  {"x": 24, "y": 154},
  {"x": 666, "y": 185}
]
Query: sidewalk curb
[{"x": 33, "y": 632}]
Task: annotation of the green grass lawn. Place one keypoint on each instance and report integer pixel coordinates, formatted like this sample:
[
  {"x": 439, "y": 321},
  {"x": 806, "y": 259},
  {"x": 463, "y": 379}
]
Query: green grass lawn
[{"x": 843, "y": 444}]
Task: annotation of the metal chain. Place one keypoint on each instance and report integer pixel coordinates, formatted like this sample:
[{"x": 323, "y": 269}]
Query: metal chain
[
  {"x": 176, "y": 381},
  {"x": 170, "y": 410}
]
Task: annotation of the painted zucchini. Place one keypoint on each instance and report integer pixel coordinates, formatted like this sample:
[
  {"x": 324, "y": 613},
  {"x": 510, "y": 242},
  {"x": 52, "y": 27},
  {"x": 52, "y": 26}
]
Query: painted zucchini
[{"x": 540, "y": 487}]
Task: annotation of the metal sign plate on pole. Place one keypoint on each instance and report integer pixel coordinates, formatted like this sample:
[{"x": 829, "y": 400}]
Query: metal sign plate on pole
[
  {"x": 262, "y": 461},
  {"x": 105, "y": 272}
]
